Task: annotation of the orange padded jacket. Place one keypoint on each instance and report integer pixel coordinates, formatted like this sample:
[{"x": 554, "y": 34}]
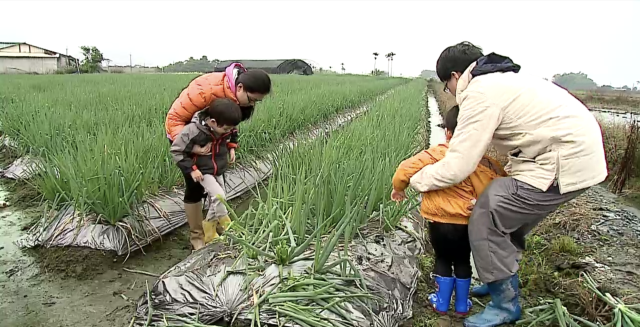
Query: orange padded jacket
[
  {"x": 195, "y": 97},
  {"x": 450, "y": 205}
]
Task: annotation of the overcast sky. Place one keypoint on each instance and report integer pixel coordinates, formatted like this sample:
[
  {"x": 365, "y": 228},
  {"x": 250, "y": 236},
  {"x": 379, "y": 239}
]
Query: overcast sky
[{"x": 600, "y": 38}]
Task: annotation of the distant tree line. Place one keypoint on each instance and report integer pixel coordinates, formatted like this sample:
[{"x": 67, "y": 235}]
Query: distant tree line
[
  {"x": 580, "y": 81},
  {"x": 428, "y": 74},
  {"x": 191, "y": 65},
  {"x": 575, "y": 81}
]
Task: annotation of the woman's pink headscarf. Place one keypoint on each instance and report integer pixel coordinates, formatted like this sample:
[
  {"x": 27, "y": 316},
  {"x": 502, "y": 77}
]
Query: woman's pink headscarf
[{"x": 232, "y": 72}]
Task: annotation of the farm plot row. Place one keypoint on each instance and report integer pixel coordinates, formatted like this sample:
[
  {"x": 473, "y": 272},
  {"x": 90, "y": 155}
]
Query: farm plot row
[
  {"x": 296, "y": 259},
  {"x": 102, "y": 139},
  {"x": 349, "y": 170}
]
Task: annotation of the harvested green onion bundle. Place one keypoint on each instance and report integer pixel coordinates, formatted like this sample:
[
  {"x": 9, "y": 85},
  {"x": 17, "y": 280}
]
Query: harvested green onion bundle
[
  {"x": 552, "y": 313},
  {"x": 623, "y": 315},
  {"x": 312, "y": 300},
  {"x": 555, "y": 312}
]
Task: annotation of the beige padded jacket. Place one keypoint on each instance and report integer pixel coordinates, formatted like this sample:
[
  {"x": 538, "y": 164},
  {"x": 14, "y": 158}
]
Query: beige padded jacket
[{"x": 547, "y": 134}]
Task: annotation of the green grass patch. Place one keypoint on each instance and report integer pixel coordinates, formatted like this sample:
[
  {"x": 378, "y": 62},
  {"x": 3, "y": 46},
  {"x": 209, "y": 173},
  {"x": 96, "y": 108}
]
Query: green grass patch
[{"x": 565, "y": 245}]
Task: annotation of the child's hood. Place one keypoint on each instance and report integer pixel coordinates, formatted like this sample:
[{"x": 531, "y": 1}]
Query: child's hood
[{"x": 198, "y": 119}]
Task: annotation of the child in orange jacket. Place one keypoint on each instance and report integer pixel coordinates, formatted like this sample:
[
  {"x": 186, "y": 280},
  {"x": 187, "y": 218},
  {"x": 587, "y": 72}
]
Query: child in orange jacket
[{"x": 448, "y": 211}]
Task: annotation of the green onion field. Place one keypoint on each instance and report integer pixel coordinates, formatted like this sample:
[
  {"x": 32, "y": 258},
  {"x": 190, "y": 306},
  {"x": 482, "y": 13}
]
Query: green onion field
[{"x": 102, "y": 138}]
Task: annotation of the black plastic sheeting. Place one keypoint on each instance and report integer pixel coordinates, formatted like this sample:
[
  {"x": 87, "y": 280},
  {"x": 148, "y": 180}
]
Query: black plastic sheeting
[
  {"x": 204, "y": 286},
  {"x": 22, "y": 168},
  {"x": 160, "y": 214}
]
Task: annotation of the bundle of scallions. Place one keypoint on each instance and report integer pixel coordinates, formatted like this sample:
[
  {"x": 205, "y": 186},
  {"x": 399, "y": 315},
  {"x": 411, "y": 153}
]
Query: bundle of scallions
[
  {"x": 623, "y": 315},
  {"x": 553, "y": 312},
  {"x": 324, "y": 295}
]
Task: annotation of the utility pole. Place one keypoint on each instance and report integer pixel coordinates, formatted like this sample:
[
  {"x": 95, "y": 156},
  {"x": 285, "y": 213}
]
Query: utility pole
[{"x": 130, "y": 64}]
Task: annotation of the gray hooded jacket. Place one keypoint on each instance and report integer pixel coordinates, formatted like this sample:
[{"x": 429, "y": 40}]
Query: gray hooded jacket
[{"x": 198, "y": 133}]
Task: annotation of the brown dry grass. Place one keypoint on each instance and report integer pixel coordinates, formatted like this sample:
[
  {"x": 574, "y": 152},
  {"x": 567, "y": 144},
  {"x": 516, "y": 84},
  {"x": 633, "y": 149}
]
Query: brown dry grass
[
  {"x": 616, "y": 137},
  {"x": 600, "y": 99}
]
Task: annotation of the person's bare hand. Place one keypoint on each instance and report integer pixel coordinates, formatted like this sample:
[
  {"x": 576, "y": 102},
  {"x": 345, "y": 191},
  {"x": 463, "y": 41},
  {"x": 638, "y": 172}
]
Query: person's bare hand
[
  {"x": 398, "y": 196},
  {"x": 202, "y": 150},
  {"x": 197, "y": 176},
  {"x": 232, "y": 155},
  {"x": 473, "y": 204}
]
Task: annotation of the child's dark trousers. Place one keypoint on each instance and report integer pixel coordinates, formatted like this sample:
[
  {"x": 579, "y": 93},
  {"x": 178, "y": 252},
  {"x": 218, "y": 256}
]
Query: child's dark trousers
[{"x": 452, "y": 250}]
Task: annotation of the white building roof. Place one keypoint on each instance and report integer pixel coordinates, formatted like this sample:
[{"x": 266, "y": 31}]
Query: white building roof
[{"x": 27, "y": 55}]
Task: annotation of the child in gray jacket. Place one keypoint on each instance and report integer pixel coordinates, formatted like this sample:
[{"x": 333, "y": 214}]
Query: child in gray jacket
[{"x": 212, "y": 127}]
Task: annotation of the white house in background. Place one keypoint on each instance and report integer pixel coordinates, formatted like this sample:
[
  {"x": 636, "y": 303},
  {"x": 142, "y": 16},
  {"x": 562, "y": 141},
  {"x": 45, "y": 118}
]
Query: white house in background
[{"x": 25, "y": 58}]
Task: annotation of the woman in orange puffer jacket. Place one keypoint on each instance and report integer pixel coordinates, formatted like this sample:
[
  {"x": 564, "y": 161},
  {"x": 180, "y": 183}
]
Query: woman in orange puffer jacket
[{"x": 246, "y": 88}]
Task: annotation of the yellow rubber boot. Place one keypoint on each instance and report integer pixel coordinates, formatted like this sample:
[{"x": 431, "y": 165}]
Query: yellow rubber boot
[
  {"x": 210, "y": 230},
  {"x": 194, "y": 215},
  {"x": 224, "y": 223}
]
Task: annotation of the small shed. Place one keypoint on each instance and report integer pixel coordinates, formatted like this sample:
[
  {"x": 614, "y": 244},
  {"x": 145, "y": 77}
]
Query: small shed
[
  {"x": 25, "y": 58},
  {"x": 281, "y": 66}
]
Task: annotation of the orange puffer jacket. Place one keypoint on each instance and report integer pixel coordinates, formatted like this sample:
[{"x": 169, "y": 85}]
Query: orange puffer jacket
[
  {"x": 195, "y": 97},
  {"x": 450, "y": 205}
]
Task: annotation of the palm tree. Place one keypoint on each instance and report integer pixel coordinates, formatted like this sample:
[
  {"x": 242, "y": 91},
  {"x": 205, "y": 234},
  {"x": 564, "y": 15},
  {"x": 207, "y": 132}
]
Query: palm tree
[
  {"x": 375, "y": 60},
  {"x": 391, "y": 55},
  {"x": 342, "y": 64}
]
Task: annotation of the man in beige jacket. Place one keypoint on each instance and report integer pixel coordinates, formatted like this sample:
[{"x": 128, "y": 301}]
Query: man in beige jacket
[{"x": 555, "y": 151}]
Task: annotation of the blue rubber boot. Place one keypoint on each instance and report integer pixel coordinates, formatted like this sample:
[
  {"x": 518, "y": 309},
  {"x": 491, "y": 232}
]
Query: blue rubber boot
[
  {"x": 462, "y": 303},
  {"x": 441, "y": 299},
  {"x": 480, "y": 291},
  {"x": 504, "y": 307}
]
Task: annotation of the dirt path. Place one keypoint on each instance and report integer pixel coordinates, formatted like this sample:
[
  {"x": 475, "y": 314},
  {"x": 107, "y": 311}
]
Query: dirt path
[{"x": 75, "y": 287}]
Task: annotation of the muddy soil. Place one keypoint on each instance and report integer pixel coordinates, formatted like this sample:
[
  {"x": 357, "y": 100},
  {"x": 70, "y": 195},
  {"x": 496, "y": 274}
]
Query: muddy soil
[
  {"x": 76, "y": 286},
  {"x": 596, "y": 233}
]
